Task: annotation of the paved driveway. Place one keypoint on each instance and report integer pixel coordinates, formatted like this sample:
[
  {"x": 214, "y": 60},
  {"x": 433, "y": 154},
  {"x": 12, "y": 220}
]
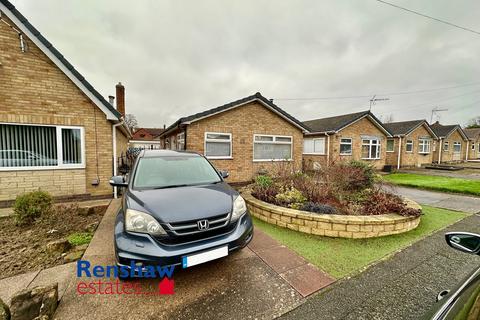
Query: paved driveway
[
  {"x": 403, "y": 287},
  {"x": 242, "y": 286}
]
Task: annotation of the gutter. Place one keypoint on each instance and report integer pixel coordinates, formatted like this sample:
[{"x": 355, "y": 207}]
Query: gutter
[
  {"x": 399, "y": 151},
  {"x": 114, "y": 145},
  {"x": 466, "y": 153},
  {"x": 440, "y": 150},
  {"x": 328, "y": 149}
]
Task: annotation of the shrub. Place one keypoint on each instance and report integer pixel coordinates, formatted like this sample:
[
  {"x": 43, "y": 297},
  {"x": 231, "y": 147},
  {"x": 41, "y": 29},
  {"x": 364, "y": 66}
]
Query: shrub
[
  {"x": 318, "y": 208},
  {"x": 263, "y": 181},
  {"x": 290, "y": 197},
  {"x": 381, "y": 202},
  {"x": 266, "y": 194},
  {"x": 32, "y": 205},
  {"x": 77, "y": 239}
]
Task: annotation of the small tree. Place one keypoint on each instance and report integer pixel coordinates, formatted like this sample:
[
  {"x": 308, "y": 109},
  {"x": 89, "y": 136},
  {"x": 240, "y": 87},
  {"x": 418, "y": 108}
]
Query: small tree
[
  {"x": 131, "y": 122},
  {"x": 473, "y": 123}
]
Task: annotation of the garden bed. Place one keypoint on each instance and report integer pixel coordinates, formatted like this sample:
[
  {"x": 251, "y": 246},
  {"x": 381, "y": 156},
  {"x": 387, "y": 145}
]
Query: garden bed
[
  {"x": 333, "y": 225},
  {"x": 23, "y": 248}
]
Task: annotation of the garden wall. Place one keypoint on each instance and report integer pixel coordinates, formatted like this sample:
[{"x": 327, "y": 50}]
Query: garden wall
[{"x": 332, "y": 225}]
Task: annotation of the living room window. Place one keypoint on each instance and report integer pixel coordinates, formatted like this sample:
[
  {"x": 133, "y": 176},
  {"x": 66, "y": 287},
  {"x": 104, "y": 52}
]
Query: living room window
[
  {"x": 314, "y": 146},
  {"x": 272, "y": 148},
  {"x": 218, "y": 145},
  {"x": 346, "y": 146},
  {"x": 424, "y": 146},
  {"x": 30, "y": 147},
  {"x": 371, "y": 149}
]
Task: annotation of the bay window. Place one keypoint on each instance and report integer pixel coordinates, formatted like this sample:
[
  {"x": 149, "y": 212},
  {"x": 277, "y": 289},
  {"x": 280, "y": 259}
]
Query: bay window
[
  {"x": 218, "y": 145},
  {"x": 25, "y": 147},
  {"x": 314, "y": 146},
  {"x": 345, "y": 146},
  {"x": 272, "y": 148},
  {"x": 424, "y": 146},
  {"x": 370, "y": 148}
]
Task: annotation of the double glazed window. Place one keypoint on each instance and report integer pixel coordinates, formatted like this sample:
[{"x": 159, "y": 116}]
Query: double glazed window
[
  {"x": 446, "y": 145},
  {"x": 272, "y": 148},
  {"x": 409, "y": 146},
  {"x": 390, "y": 145},
  {"x": 38, "y": 147},
  {"x": 457, "y": 147},
  {"x": 370, "y": 148},
  {"x": 314, "y": 146},
  {"x": 181, "y": 141},
  {"x": 424, "y": 145},
  {"x": 345, "y": 146},
  {"x": 218, "y": 145}
]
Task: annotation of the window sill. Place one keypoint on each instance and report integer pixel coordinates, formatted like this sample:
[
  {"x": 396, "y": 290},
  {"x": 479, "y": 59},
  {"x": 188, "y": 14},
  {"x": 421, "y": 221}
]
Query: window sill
[
  {"x": 345, "y": 154},
  {"x": 389, "y": 151},
  {"x": 272, "y": 160},
  {"x": 41, "y": 168},
  {"x": 371, "y": 159},
  {"x": 408, "y": 151},
  {"x": 424, "y": 153},
  {"x": 315, "y": 154},
  {"x": 219, "y": 158}
]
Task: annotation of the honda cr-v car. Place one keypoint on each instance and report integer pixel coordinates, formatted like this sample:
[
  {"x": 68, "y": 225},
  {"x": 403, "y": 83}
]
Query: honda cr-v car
[{"x": 178, "y": 210}]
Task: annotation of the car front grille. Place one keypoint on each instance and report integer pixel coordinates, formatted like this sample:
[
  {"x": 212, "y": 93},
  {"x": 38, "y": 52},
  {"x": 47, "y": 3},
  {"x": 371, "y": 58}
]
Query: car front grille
[{"x": 188, "y": 231}]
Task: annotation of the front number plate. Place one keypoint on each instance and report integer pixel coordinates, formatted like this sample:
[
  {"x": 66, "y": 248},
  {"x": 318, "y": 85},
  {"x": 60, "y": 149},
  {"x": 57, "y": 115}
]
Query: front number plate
[{"x": 199, "y": 258}]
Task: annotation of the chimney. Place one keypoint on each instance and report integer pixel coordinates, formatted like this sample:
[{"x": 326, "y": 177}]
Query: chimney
[
  {"x": 111, "y": 100},
  {"x": 120, "y": 92}
]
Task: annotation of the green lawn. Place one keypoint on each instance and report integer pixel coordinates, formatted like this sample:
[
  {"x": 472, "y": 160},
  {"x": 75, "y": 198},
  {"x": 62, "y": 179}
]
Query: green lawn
[
  {"x": 446, "y": 184},
  {"x": 340, "y": 257}
]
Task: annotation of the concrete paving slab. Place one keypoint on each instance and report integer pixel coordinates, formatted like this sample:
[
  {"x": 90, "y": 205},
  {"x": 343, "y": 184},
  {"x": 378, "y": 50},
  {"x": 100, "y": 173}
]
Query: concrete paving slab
[
  {"x": 281, "y": 259},
  {"x": 262, "y": 241},
  {"x": 307, "y": 279},
  {"x": 10, "y": 286}
]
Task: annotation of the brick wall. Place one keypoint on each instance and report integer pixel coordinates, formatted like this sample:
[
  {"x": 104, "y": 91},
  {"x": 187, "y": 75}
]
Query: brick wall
[
  {"x": 354, "y": 131},
  {"x": 243, "y": 122},
  {"x": 474, "y": 154},
  {"x": 34, "y": 91},
  {"x": 414, "y": 158}
]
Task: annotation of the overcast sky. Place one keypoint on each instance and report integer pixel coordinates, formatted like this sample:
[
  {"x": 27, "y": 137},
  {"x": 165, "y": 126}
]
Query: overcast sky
[{"x": 177, "y": 58}]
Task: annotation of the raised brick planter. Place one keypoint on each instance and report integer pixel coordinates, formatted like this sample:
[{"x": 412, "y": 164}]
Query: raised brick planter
[{"x": 332, "y": 225}]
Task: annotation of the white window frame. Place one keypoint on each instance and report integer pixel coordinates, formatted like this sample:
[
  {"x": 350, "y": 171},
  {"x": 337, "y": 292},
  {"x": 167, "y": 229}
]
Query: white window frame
[
  {"x": 181, "y": 138},
  {"x": 447, "y": 145},
  {"x": 218, "y": 140},
  {"x": 370, "y": 144},
  {"x": 393, "y": 147},
  {"x": 473, "y": 146},
  {"x": 407, "y": 143},
  {"x": 422, "y": 142},
  {"x": 313, "y": 140},
  {"x": 457, "y": 143},
  {"x": 346, "y": 143},
  {"x": 60, "y": 165},
  {"x": 272, "y": 142}
]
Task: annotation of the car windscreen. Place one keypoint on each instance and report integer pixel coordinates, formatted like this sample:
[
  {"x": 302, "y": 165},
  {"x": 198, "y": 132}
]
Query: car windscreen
[{"x": 167, "y": 172}]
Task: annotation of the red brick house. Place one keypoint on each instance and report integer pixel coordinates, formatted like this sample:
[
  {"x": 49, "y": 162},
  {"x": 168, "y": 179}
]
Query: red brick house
[
  {"x": 452, "y": 143},
  {"x": 412, "y": 144},
  {"x": 57, "y": 133},
  {"x": 353, "y": 136},
  {"x": 147, "y": 138},
  {"x": 245, "y": 137}
]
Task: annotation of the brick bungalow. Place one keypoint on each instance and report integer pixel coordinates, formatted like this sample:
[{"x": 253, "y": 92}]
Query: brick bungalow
[
  {"x": 245, "y": 137},
  {"x": 473, "y": 135},
  {"x": 146, "y": 138},
  {"x": 412, "y": 144},
  {"x": 452, "y": 143},
  {"x": 57, "y": 133},
  {"x": 358, "y": 136}
]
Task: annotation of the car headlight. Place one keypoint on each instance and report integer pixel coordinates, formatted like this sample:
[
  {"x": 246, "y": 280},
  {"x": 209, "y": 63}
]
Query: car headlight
[
  {"x": 137, "y": 221},
  {"x": 239, "y": 208}
]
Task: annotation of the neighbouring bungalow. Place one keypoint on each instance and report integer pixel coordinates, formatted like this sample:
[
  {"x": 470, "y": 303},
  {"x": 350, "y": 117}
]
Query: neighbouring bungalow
[
  {"x": 473, "y": 135},
  {"x": 246, "y": 137},
  {"x": 452, "y": 143},
  {"x": 358, "y": 136},
  {"x": 146, "y": 138},
  {"x": 412, "y": 144},
  {"x": 57, "y": 133}
]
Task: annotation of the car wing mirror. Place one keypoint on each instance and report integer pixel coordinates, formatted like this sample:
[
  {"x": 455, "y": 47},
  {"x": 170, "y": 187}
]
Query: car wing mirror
[
  {"x": 223, "y": 173},
  {"x": 118, "y": 181},
  {"x": 464, "y": 241}
]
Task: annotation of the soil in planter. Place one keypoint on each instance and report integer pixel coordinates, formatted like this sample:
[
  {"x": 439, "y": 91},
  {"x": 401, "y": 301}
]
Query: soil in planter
[{"x": 23, "y": 248}]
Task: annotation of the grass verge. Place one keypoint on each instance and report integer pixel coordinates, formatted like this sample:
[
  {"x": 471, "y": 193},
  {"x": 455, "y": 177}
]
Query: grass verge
[
  {"x": 341, "y": 257},
  {"x": 437, "y": 183}
]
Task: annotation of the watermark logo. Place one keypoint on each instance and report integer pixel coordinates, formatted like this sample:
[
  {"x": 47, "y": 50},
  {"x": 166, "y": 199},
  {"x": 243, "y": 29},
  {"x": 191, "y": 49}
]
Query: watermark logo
[{"x": 101, "y": 283}]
